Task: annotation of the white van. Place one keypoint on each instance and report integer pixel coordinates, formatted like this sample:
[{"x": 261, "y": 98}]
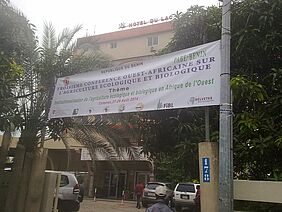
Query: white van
[{"x": 184, "y": 195}]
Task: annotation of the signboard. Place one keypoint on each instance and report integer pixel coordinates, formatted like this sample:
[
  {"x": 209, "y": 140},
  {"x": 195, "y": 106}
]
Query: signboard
[
  {"x": 145, "y": 22},
  {"x": 187, "y": 78},
  {"x": 206, "y": 169}
]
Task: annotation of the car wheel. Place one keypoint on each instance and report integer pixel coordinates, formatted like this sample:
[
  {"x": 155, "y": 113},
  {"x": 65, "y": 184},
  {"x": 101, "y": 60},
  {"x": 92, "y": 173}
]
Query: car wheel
[
  {"x": 144, "y": 204},
  {"x": 68, "y": 205},
  {"x": 172, "y": 203},
  {"x": 177, "y": 208}
]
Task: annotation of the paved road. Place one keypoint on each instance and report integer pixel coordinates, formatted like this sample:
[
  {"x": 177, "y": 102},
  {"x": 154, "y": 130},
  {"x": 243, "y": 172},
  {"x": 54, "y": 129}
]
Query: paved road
[
  {"x": 88, "y": 205},
  {"x": 104, "y": 205}
]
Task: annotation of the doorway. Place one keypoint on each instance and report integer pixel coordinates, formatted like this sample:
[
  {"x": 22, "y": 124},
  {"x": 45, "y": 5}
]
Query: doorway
[{"x": 117, "y": 184}]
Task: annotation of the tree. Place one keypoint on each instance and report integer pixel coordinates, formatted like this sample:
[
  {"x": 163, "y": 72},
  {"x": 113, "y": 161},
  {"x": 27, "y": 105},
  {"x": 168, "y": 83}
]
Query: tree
[
  {"x": 197, "y": 26},
  {"x": 56, "y": 58},
  {"x": 256, "y": 55},
  {"x": 16, "y": 40},
  {"x": 171, "y": 139},
  {"x": 41, "y": 67}
]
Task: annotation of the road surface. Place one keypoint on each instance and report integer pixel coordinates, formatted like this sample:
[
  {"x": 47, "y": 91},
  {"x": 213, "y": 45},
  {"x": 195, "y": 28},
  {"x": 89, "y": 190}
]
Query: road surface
[{"x": 88, "y": 205}]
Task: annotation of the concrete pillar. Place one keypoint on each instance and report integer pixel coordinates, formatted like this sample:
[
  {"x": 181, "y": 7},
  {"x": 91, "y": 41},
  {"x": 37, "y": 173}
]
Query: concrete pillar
[
  {"x": 208, "y": 165},
  {"x": 91, "y": 184},
  {"x": 51, "y": 186}
]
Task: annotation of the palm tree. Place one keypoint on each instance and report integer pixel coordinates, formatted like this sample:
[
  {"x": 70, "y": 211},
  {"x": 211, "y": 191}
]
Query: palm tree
[{"x": 56, "y": 58}]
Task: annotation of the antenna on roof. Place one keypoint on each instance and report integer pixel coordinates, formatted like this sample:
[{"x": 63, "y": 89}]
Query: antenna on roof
[{"x": 94, "y": 29}]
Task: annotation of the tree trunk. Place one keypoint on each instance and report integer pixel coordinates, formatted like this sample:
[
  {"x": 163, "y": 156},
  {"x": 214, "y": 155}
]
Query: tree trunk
[
  {"x": 16, "y": 176},
  {"x": 24, "y": 182},
  {"x": 6, "y": 140},
  {"x": 36, "y": 182},
  {"x": 67, "y": 145}
]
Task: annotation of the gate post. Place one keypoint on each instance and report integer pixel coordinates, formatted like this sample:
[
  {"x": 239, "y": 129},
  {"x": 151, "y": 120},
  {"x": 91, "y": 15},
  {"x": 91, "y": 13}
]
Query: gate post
[{"x": 208, "y": 165}]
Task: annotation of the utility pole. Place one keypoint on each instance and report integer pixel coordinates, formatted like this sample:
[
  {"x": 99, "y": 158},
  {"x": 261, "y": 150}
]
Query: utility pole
[
  {"x": 225, "y": 134},
  {"x": 207, "y": 109}
]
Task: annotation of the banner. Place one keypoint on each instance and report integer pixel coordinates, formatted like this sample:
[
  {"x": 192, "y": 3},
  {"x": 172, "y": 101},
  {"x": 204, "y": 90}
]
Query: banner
[{"x": 187, "y": 78}]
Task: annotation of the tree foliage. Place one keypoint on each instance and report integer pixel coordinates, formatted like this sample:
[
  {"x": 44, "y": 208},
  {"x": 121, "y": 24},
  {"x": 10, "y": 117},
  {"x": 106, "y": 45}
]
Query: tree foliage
[
  {"x": 16, "y": 41},
  {"x": 171, "y": 139},
  {"x": 256, "y": 55},
  {"x": 197, "y": 26},
  {"x": 256, "y": 37}
]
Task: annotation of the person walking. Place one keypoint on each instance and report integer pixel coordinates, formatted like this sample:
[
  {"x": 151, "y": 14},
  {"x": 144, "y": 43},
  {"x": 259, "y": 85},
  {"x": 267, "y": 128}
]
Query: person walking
[
  {"x": 161, "y": 204},
  {"x": 139, "y": 192}
]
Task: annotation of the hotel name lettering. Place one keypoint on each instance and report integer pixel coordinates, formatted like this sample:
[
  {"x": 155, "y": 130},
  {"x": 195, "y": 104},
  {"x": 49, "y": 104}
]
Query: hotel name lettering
[{"x": 141, "y": 23}]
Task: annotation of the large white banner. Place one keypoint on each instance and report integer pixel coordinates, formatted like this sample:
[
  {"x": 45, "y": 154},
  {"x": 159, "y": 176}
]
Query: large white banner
[{"x": 187, "y": 78}]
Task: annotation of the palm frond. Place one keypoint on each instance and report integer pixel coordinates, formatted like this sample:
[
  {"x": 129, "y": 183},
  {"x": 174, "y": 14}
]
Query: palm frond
[
  {"x": 102, "y": 138},
  {"x": 92, "y": 139},
  {"x": 62, "y": 37},
  {"x": 49, "y": 36},
  {"x": 67, "y": 37}
]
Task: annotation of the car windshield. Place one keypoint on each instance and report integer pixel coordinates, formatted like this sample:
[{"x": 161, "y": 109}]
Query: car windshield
[
  {"x": 153, "y": 186},
  {"x": 186, "y": 188}
]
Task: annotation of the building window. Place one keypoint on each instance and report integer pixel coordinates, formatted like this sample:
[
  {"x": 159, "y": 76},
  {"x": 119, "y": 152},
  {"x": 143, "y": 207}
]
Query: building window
[
  {"x": 113, "y": 45},
  {"x": 153, "y": 41}
]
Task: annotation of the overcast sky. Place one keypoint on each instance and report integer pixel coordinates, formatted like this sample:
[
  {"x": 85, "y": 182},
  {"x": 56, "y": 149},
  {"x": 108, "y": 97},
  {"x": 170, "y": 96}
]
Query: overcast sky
[{"x": 99, "y": 16}]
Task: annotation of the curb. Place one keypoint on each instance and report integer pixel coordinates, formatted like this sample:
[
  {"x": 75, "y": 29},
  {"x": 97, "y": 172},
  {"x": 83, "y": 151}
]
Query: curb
[{"x": 111, "y": 200}]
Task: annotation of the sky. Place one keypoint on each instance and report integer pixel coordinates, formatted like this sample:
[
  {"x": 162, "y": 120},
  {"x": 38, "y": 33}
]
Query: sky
[{"x": 99, "y": 16}]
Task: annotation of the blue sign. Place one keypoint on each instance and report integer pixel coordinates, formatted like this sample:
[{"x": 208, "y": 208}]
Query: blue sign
[{"x": 206, "y": 170}]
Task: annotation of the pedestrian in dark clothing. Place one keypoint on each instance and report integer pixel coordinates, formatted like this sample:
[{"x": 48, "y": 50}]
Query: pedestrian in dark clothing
[
  {"x": 81, "y": 191},
  {"x": 139, "y": 192},
  {"x": 197, "y": 199},
  {"x": 161, "y": 205}
]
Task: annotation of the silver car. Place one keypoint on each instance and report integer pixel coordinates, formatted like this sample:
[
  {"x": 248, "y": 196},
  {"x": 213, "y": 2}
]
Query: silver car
[
  {"x": 149, "y": 196},
  {"x": 68, "y": 193}
]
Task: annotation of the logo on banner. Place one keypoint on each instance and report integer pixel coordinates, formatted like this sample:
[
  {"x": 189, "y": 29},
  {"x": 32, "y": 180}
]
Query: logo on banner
[
  {"x": 121, "y": 108},
  {"x": 75, "y": 111},
  {"x": 106, "y": 109},
  {"x": 66, "y": 81},
  {"x": 90, "y": 110},
  {"x": 140, "y": 106},
  {"x": 164, "y": 105},
  {"x": 192, "y": 100},
  {"x": 197, "y": 100}
]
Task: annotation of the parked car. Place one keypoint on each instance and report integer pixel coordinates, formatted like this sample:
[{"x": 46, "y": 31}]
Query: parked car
[
  {"x": 68, "y": 194},
  {"x": 184, "y": 194},
  {"x": 149, "y": 197}
]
